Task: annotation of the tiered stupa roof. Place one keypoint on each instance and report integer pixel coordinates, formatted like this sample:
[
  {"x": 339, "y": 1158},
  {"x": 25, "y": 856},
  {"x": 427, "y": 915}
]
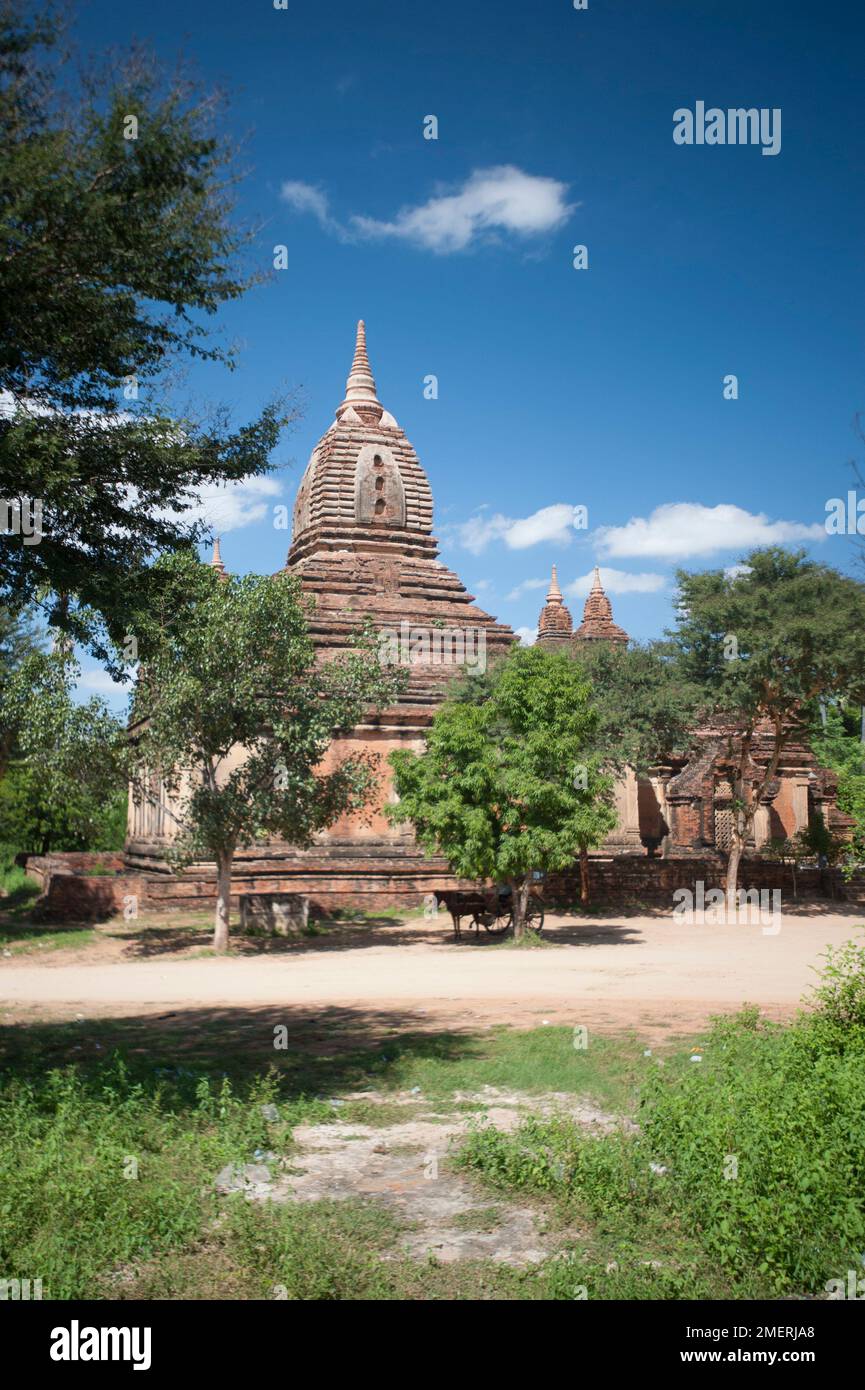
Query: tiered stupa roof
[
  {"x": 597, "y": 624},
  {"x": 362, "y": 543},
  {"x": 555, "y": 625}
]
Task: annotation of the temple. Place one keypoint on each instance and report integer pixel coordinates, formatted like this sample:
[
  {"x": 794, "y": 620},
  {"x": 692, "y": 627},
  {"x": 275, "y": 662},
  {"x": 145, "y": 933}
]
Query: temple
[
  {"x": 363, "y": 549},
  {"x": 684, "y": 808}
]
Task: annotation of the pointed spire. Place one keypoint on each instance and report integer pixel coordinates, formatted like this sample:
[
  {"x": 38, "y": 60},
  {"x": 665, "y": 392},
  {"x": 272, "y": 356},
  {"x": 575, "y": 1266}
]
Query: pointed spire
[
  {"x": 555, "y": 623},
  {"x": 360, "y": 387},
  {"x": 597, "y": 624},
  {"x": 554, "y": 593},
  {"x": 216, "y": 560}
]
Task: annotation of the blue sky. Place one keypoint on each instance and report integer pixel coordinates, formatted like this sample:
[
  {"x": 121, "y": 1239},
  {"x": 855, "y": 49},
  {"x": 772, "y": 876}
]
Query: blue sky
[{"x": 558, "y": 387}]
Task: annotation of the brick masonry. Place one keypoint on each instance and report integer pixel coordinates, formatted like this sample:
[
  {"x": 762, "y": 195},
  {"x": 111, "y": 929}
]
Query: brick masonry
[{"x": 72, "y": 891}]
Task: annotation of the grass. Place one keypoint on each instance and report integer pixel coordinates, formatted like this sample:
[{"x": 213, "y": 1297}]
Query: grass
[
  {"x": 26, "y": 938},
  {"x": 112, "y": 1131},
  {"x": 751, "y": 1160},
  {"x": 17, "y": 891},
  {"x": 109, "y": 1135}
]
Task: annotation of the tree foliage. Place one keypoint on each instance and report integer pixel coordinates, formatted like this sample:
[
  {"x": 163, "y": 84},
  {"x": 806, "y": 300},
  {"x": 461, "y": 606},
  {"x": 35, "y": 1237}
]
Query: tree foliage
[
  {"x": 763, "y": 643},
  {"x": 646, "y": 707},
  {"x": 67, "y": 784},
  {"x": 117, "y": 244},
  {"x": 513, "y": 782},
  {"x": 838, "y": 746},
  {"x": 236, "y": 716}
]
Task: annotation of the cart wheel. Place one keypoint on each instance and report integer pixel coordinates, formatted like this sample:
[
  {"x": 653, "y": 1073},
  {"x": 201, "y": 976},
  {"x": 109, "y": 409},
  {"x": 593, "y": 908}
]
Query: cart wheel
[
  {"x": 535, "y": 918},
  {"x": 496, "y": 923}
]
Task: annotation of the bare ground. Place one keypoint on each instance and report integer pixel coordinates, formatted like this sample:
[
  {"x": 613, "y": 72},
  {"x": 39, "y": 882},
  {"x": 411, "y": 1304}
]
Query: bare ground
[
  {"x": 406, "y": 1167},
  {"x": 609, "y": 972}
]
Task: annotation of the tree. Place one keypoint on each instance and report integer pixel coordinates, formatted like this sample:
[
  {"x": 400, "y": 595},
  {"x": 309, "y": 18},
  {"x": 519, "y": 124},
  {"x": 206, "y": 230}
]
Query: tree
[
  {"x": 19, "y": 636},
  {"x": 837, "y": 745},
  {"x": 645, "y": 710},
  {"x": 765, "y": 642},
  {"x": 34, "y": 820},
  {"x": 117, "y": 242},
  {"x": 234, "y": 714},
  {"x": 646, "y": 706},
  {"x": 511, "y": 783},
  {"x": 68, "y": 776}
]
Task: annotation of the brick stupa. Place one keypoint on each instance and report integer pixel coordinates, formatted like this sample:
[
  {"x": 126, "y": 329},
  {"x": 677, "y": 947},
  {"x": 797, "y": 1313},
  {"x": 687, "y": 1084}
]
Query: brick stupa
[
  {"x": 362, "y": 547},
  {"x": 597, "y": 624},
  {"x": 555, "y": 625}
]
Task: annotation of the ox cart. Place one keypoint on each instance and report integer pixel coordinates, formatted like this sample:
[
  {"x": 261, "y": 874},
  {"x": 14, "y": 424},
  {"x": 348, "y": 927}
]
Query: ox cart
[{"x": 491, "y": 909}]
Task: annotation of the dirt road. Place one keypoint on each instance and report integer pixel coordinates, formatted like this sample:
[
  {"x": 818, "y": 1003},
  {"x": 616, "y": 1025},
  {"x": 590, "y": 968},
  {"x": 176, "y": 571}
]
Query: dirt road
[{"x": 613, "y": 971}]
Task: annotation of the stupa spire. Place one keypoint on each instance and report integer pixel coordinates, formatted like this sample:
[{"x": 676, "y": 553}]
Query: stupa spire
[
  {"x": 555, "y": 623},
  {"x": 554, "y": 593},
  {"x": 360, "y": 392},
  {"x": 597, "y": 624},
  {"x": 216, "y": 560}
]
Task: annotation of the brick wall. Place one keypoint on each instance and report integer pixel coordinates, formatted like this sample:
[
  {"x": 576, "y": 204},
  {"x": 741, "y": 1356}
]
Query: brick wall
[{"x": 620, "y": 881}]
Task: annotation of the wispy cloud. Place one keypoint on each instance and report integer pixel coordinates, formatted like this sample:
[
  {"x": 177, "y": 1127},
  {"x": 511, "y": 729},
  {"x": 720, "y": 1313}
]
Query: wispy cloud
[
  {"x": 235, "y": 505},
  {"x": 489, "y": 205},
  {"x": 526, "y": 587},
  {"x": 618, "y": 582},
  {"x": 681, "y": 529},
  {"x": 306, "y": 198},
  {"x": 527, "y": 635},
  {"x": 555, "y": 523}
]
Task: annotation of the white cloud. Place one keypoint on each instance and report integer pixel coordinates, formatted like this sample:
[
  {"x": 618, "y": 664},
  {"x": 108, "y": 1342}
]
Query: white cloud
[
  {"x": 227, "y": 508},
  {"x": 680, "y": 529},
  {"x": 555, "y": 523},
  {"x": 306, "y": 198},
  {"x": 527, "y": 635},
  {"x": 488, "y": 204},
  {"x": 618, "y": 582},
  {"x": 526, "y": 588},
  {"x": 99, "y": 682},
  {"x": 501, "y": 199}
]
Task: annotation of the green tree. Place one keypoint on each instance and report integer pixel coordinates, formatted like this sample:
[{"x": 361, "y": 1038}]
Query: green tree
[
  {"x": 838, "y": 746},
  {"x": 64, "y": 789},
  {"x": 646, "y": 706},
  {"x": 19, "y": 636},
  {"x": 764, "y": 643},
  {"x": 117, "y": 243},
  {"x": 34, "y": 822},
  {"x": 235, "y": 715},
  {"x": 645, "y": 710},
  {"x": 512, "y": 782}
]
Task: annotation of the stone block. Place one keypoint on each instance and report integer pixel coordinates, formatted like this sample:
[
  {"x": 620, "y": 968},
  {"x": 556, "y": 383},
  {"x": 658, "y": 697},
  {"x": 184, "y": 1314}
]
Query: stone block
[{"x": 274, "y": 914}]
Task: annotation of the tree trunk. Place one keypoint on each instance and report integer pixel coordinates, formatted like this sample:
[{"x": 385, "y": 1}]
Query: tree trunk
[
  {"x": 223, "y": 903},
  {"x": 736, "y": 849},
  {"x": 584, "y": 877},
  {"x": 520, "y": 900}
]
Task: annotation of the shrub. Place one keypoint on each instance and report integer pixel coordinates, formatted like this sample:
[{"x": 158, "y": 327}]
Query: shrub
[
  {"x": 757, "y": 1151},
  {"x": 764, "y": 1142}
]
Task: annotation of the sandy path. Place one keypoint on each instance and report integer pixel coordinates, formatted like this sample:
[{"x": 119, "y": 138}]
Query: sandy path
[{"x": 614, "y": 970}]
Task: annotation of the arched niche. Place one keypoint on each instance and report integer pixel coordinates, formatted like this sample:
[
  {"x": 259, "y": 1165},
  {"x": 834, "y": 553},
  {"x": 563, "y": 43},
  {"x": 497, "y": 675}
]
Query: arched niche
[{"x": 379, "y": 494}]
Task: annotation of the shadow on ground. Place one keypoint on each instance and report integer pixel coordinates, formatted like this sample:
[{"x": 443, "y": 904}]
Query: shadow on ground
[
  {"x": 151, "y": 940},
  {"x": 313, "y": 1051}
]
